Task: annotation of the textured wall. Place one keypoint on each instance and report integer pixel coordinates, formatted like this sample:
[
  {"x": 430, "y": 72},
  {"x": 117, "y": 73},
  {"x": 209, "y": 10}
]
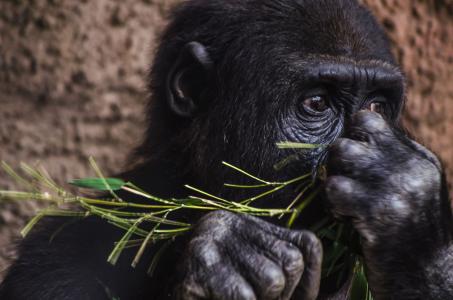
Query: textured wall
[{"x": 72, "y": 82}]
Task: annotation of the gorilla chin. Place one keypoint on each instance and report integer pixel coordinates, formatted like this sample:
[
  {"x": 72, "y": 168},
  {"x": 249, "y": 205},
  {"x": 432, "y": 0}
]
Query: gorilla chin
[{"x": 230, "y": 79}]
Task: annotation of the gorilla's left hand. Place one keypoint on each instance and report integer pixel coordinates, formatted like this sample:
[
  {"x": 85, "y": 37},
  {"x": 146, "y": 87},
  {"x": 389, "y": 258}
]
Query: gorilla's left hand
[{"x": 391, "y": 188}]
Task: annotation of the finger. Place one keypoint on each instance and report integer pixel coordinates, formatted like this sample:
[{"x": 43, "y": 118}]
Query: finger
[
  {"x": 346, "y": 196},
  {"x": 211, "y": 275},
  {"x": 266, "y": 276},
  {"x": 221, "y": 282},
  {"x": 226, "y": 284},
  {"x": 191, "y": 290},
  {"x": 311, "y": 247},
  {"x": 287, "y": 256},
  {"x": 291, "y": 261},
  {"x": 370, "y": 127},
  {"x": 427, "y": 154},
  {"x": 202, "y": 255},
  {"x": 350, "y": 157}
]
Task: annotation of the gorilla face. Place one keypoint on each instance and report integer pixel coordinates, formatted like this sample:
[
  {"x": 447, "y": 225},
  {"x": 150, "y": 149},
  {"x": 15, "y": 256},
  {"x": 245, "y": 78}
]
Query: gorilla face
[{"x": 290, "y": 71}]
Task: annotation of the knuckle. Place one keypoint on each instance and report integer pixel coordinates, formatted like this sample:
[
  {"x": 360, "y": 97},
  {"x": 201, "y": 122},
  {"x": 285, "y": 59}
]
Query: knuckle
[
  {"x": 197, "y": 244},
  {"x": 221, "y": 214},
  {"x": 231, "y": 285},
  {"x": 430, "y": 156},
  {"x": 347, "y": 152},
  {"x": 339, "y": 145},
  {"x": 216, "y": 224},
  {"x": 274, "y": 280},
  {"x": 371, "y": 120},
  {"x": 314, "y": 243},
  {"x": 218, "y": 215},
  {"x": 310, "y": 238},
  {"x": 332, "y": 186},
  {"x": 294, "y": 261},
  {"x": 336, "y": 185},
  {"x": 355, "y": 148},
  {"x": 189, "y": 290},
  {"x": 204, "y": 252},
  {"x": 244, "y": 292}
]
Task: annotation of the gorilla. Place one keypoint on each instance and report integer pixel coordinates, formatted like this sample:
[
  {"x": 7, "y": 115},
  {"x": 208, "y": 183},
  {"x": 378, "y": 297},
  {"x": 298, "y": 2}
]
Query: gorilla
[{"x": 230, "y": 79}]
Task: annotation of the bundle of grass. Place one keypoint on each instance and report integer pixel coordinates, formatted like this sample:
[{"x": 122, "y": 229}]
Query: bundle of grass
[{"x": 341, "y": 243}]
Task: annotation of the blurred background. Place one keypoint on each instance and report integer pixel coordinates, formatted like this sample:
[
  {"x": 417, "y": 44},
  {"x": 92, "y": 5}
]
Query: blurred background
[{"x": 73, "y": 83}]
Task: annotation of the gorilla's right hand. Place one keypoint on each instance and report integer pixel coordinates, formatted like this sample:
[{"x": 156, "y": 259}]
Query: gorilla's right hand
[{"x": 233, "y": 256}]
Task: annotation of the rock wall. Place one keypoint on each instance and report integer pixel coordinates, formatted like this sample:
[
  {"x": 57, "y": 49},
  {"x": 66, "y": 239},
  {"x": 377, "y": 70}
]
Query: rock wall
[{"x": 72, "y": 83}]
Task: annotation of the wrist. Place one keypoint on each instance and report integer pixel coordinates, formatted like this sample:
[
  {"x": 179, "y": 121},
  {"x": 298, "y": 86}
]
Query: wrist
[{"x": 410, "y": 271}]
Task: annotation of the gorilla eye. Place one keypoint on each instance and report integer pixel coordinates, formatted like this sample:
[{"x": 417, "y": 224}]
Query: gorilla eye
[{"x": 316, "y": 103}]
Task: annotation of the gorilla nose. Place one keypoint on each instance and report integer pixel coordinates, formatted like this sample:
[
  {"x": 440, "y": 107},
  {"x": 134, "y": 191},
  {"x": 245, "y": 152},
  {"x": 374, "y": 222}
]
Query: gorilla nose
[{"x": 375, "y": 107}]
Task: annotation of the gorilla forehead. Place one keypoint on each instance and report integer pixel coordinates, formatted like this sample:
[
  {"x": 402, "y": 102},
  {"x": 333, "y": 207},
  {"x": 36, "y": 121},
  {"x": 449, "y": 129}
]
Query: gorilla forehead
[{"x": 248, "y": 28}]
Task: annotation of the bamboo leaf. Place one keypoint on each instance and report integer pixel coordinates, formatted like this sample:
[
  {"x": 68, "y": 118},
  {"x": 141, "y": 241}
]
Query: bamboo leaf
[
  {"x": 341, "y": 254},
  {"x": 359, "y": 289},
  {"x": 286, "y": 161},
  {"x": 102, "y": 177},
  {"x": 292, "y": 145},
  {"x": 99, "y": 183}
]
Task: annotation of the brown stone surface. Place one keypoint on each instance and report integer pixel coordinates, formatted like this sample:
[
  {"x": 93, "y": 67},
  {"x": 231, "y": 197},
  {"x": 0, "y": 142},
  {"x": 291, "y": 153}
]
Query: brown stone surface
[{"x": 72, "y": 82}]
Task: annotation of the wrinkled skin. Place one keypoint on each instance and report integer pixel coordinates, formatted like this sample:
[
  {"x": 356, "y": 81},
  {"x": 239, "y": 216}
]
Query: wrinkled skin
[
  {"x": 242, "y": 257},
  {"x": 403, "y": 218},
  {"x": 229, "y": 80},
  {"x": 404, "y": 198}
]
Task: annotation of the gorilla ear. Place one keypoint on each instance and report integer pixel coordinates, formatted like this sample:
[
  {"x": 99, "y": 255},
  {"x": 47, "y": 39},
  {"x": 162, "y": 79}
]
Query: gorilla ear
[{"x": 188, "y": 79}]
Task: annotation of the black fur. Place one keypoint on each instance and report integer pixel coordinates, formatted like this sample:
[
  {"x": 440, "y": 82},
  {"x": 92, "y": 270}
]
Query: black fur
[{"x": 229, "y": 80}]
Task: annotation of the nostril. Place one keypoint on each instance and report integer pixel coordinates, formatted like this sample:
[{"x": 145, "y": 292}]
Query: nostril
[{"x": 376, "y": 107}]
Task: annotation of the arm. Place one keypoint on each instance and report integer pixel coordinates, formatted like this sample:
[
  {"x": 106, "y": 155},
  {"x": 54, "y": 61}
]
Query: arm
[
  {"x": 227, "y": 256},
  {"x": 393, "y": 190},
  {"x": 417, "y": 263},
  {"x": 440, "y": 267},
  {"x": 69, "y": 262}
]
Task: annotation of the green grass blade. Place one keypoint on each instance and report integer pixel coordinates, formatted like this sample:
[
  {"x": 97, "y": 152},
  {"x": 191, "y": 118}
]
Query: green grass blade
[
  {"x": 245, "y": 173},
  {"x": 141, "y": 250},
  {"x": 119, "y": 247},
  {"x": 157, "y": 256},
  {"x": 359, "y": 289},
  {"x": 301, "y": 207},
  {"x": 24, "y": 232},
  {"x": 292, "y": 145},
  {"x": 19, "y": 179},
  {"x": 240, "y": 186}
]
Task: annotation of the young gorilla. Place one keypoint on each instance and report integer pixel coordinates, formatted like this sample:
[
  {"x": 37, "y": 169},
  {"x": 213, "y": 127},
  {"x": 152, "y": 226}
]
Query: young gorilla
[{"x": 230, "y": 79}]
